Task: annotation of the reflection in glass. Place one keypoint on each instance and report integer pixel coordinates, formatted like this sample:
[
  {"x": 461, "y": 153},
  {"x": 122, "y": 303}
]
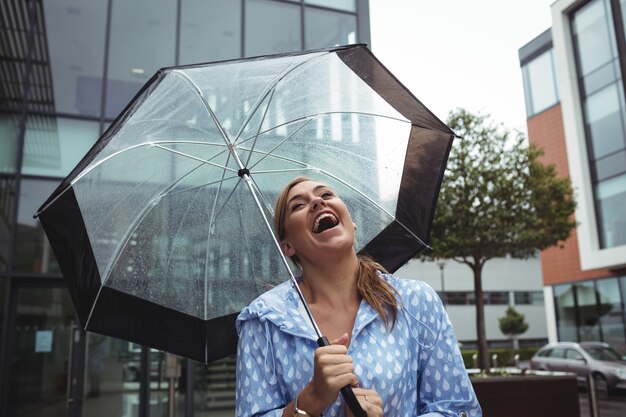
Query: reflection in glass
[
  {"x": 210, "y": 30},
  {"x": 7, "y": 193},
  {"x": 33, "y": 252},
  {"x": 214, "y": 387},
  {"x": 9, "y": 139},
  {"x": 112, "y": 377},
  {"x": 53, "y": 146},
  {"x": 612, "y": 321},
  {"x": 75, "y": 32},
  {"x": 588, "y": 311},
  {"x": 610, "y": 202},
  {"x": 271, "y": 27},
  {"x": 540, "y": 83},
  {"x": 565, "y": 308},
  {"x": 604, "y": 112},
  {"x": 40, "y": 353},
  {"x": 347, "y": 5},
  {"x": 604, "y": 121},
  {"x": 324, "y": 28},
  {"x": 592, "y": 28},
  {"x": 610, "y": 166},
  {"x": 143, "y": 36}
]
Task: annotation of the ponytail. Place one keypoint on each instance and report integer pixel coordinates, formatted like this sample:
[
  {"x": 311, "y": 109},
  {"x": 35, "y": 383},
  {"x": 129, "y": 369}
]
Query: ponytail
[{"x": 376, "y": 291}]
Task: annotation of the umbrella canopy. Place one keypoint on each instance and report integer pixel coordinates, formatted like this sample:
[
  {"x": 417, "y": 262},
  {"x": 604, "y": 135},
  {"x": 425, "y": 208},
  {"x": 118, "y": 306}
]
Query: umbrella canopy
[{"x": 162, "y": 231}]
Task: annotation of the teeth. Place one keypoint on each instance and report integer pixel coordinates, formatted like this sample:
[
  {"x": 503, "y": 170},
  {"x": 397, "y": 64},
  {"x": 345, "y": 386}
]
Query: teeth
[{"x": 316, "y": 225}]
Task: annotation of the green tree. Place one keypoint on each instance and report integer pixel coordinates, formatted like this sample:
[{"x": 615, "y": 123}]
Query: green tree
[
  {"x": 513, "y": 324},
  {"x": 496, "y": 199}
]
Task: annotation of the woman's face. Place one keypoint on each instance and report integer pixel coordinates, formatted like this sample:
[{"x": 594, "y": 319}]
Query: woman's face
[{"x": 316, "y": 222}]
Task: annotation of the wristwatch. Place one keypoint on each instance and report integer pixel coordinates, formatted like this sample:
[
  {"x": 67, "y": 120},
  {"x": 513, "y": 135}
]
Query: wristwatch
[{"x": 297, "y": 412}]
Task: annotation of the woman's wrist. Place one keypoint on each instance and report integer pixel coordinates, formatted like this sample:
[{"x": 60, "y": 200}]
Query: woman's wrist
[{"x": 308, "y": 402}]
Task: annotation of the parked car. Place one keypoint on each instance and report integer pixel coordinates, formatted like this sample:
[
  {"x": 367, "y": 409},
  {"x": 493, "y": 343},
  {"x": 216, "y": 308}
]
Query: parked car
[{"x": 598, "y": 359}]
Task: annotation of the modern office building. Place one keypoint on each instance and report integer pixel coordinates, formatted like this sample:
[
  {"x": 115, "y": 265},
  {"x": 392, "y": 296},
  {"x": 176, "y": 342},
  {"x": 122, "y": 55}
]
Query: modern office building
[
  {"x": 67, "y": 68},
  {"x": 575, "y": 99},
  {"x": 506, "y": 282}
]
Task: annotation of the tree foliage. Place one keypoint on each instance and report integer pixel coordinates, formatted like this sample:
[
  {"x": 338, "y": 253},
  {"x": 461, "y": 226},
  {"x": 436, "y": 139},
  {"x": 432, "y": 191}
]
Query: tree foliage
[
  {"x": 496, "y": 199},
  {"x": 513, "y": 323}
]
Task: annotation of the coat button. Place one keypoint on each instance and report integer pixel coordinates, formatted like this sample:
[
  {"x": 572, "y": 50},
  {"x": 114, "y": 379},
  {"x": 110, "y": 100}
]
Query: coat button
[{"x": 462, "y": 414}]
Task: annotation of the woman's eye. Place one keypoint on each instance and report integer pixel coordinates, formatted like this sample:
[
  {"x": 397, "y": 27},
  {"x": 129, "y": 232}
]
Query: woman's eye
[
  {"x": 326, "y": 194},
  {"x": 296, "y": 206}
]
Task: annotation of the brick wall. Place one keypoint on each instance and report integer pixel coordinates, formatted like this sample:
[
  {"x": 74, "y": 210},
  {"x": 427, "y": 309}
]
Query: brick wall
[{"x": 561, "y": 263}]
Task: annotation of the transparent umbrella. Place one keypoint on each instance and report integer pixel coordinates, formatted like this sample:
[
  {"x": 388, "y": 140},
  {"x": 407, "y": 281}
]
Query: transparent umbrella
[{"x": 163, "y": 232}]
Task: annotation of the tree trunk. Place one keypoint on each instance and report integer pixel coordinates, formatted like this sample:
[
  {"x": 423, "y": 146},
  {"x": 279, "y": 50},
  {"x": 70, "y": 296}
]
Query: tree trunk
[{"x": 483, "y": 351}]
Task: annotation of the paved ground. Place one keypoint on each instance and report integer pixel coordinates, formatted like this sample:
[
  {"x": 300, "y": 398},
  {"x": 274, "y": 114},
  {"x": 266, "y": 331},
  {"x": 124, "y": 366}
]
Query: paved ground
[{"x": 614, "y": 406}]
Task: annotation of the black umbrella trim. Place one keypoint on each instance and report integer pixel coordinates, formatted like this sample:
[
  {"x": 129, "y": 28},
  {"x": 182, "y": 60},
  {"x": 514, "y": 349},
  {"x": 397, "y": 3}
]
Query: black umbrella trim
[
  {"x": 65, "y": 228},
  {"x": 163, "y": 328},
  {"x": 364, "y": 64}
]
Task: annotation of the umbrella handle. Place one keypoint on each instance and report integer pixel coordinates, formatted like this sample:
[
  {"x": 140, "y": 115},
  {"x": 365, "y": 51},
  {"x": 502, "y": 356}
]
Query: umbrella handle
[{"x": 346, "y": 392}]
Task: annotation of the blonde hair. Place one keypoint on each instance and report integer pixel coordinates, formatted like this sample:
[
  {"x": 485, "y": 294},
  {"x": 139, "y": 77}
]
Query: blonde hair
[{"x": 370, "y": 285}]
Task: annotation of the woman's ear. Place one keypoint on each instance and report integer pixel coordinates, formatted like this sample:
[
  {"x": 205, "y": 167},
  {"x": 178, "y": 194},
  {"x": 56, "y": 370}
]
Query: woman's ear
[{"x": 287, "y": 249}]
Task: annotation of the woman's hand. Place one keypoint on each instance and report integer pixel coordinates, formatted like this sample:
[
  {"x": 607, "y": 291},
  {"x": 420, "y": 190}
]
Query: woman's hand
[
  {"x": 332, "y": 370},
  {"x": 370, "y": 402}
]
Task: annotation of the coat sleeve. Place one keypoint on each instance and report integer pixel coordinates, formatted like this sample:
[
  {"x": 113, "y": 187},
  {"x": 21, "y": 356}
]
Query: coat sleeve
[
  {"x": 444, "y": 388},
  {"x": 257, "y": 390}
]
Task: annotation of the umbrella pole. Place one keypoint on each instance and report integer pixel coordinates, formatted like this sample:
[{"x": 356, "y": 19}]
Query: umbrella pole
[{"x": 346, "y": 391}]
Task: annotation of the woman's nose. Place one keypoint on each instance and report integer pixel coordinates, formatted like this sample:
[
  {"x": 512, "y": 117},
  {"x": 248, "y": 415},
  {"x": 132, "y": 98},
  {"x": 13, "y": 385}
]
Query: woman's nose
[{"x": 316, "y": 203}]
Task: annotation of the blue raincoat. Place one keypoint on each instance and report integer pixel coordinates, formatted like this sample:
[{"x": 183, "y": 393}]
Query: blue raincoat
[{"x": 416, "y": 368}]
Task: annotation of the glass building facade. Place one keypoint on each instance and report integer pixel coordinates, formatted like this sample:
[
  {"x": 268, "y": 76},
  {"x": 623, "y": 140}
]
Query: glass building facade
[
  {"x": 68, "y": 68},
  {"x": 589, "y": 49},
  {"x": 592, "y": 310},
  {"x": 597, "y": 45}
]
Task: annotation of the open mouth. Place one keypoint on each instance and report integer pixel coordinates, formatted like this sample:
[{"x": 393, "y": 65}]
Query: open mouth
[{"x": 324, "y": 222}]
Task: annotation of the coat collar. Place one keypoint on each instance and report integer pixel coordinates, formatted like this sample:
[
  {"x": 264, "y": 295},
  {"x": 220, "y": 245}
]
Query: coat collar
[{"x": 282, "y": 307}]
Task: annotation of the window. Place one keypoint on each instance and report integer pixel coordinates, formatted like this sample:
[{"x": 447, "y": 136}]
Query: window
[
  {"x": 53, "y": 146},
  {"x": 565, "y": 307},
  {"x": 610, "y": 203},
  {"x": 33, "y": 252},
  {"x": 347, "y": 5},
  {"x": 271, "y": 27},
  {"x": 557, "y": 353},
  {"x": 458, "y": 298},
  {"x": 496, "y": 297},
  {"x": 574, "y": 355},
  {"x": 9, "y": 138},
  {"x": 76, "y": 38},
  {"x": 592, "y": 28},
  {"x": 540, "y": 84},
  {"x": 529, "y": 298},
  {"x": 325, "y": 28},
  {"x": 210, "y": 30},
  {"x": 143, "y": 36},
  {"x": 602, "y": 95}
]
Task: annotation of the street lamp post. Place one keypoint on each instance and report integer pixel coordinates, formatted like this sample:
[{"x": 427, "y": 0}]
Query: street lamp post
[{"x": 441, "y": 266}]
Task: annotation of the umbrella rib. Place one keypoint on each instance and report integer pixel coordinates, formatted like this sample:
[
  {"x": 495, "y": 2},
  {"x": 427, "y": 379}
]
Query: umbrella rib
[
  {"x": 266, "y": 154},
  {"x": 269, "y": 101},
  {"x": 206, "y": 105},
  {"x": 251, "y": 187},
  {"x": 271, "y": 87}
]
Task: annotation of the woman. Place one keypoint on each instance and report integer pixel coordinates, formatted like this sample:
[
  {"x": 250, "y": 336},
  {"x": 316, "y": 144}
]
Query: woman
[{"x": 391, "y": 339}]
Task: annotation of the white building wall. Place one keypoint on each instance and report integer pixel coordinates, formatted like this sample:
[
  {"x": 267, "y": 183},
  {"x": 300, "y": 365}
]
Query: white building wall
[{"x": 499, "y": 274}]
